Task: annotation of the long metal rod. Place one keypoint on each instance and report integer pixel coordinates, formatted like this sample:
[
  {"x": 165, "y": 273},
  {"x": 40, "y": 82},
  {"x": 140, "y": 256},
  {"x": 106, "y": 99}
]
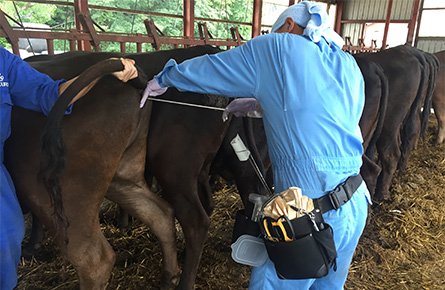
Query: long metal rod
[
  {"x": 185, "y": 104},
  {"x": 260, "y": 175}
]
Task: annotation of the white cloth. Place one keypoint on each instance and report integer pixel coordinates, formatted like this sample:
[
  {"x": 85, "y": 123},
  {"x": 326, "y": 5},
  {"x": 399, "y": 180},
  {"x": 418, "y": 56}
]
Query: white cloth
[{"x": 313, "y": 19}]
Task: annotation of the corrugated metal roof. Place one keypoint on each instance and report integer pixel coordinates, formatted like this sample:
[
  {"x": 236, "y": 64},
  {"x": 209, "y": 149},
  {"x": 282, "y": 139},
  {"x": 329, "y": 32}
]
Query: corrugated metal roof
[
  {"x": 431, "y": 44},
  {"x": 377, "y": 9}
]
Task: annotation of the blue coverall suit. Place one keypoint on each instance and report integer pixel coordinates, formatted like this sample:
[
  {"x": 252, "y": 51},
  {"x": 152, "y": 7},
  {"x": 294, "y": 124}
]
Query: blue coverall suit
[
  {"x": 20, "y": 85},
  {"x": 312, "y": 95}
]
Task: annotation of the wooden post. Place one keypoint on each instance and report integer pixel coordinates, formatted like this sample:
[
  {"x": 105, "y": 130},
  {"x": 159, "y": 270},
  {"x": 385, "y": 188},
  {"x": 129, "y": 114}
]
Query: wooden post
[
  {"x": 87, "y": 23},
  {"x": 153, "y": 33},
  {"x": 416, "y": 38},
  {"x": 413, "y": 22},
  {"x": 338, "y": 16},
  {"x": 50, "y": 46},
  {"x": 235, "y": 35},
  {"x": 81, "y": 6},
  {"x": 387, "y": 22},
  {"x": 256, "y": 21},
  {"x": 12, "y": 38},
  {"x": 189, "y": 19},
  {"x": 138, "y": 44}
]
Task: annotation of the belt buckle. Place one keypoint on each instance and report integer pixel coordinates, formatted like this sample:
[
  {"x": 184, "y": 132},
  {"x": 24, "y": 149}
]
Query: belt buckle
[{"x": 334, "y": 199}]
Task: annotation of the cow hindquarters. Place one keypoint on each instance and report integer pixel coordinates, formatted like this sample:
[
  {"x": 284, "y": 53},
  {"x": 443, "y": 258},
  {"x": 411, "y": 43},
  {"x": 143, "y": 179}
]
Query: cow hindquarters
[{"x": 130, "y": 191}]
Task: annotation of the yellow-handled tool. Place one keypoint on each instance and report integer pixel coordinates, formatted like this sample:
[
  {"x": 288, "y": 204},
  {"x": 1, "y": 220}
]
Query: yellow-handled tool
[
  {"x": 273, "y": 229},
  {"x": 279, "y": 223}
]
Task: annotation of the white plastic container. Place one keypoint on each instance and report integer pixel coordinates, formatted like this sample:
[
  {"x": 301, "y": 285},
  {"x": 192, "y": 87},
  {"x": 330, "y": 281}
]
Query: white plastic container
[{"x": 249, "y": 250}]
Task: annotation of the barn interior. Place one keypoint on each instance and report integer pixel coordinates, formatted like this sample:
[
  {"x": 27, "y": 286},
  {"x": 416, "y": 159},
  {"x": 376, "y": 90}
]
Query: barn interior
[{"x": 403, "y": 245}]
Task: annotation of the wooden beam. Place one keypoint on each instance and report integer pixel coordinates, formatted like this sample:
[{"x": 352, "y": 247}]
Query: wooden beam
[
  {"x": 387, "y": 23},
  {"x": 235, "y": 35},
  {"x": 10, "y": 33},
  {"x": 50, "y": 46},
  {"x": 256, "y": 20},
  {"x": 153, "y": 32},
  {"x": 81, "y": 6},
  {"x": 416, "y": 38},
  {"x": 189, "y": 18},
  {"x": 413, "y": 22},
  {"x": 338, "y": 16},
  {"x": 87, "y": 24}
]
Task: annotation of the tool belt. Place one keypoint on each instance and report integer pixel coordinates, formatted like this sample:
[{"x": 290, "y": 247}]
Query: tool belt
[
  {"x": 340, "y": 195},
  {"x": 301, "y": 247}
]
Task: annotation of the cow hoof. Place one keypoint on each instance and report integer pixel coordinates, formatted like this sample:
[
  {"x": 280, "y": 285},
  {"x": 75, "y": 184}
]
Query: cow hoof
[{"x": 170, "y": 285}]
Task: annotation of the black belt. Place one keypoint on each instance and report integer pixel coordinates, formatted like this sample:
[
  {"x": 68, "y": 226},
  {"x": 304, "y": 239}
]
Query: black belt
[{"x": 340, "y": 195}]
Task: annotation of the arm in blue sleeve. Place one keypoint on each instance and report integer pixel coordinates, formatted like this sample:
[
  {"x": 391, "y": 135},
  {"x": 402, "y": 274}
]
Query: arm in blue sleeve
[
  {"x": 31, "y": 89},
  {"x": 229, "y": 73}
]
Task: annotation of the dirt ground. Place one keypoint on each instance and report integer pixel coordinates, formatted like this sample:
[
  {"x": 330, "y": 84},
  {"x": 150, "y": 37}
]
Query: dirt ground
[{"x": 403, "y": 246}]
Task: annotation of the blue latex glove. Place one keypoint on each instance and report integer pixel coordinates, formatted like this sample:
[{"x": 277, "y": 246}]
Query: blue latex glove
[
  {"x": 243, "y": 107},
  {"x": 153, "y": 89}
]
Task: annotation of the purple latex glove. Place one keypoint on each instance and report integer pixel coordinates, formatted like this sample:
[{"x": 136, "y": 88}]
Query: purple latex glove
[
  {"x": 153, "y": 89},
  {"x": 243, "y": 107}
]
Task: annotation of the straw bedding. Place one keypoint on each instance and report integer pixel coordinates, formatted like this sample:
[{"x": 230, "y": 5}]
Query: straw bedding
[{"x": 403, "y": 246}]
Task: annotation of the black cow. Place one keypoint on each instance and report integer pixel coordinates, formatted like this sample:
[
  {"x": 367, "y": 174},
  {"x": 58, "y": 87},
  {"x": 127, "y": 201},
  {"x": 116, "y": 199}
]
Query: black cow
[
  {"x": 371, "y": 121},
  {"x": 407, "y": 71},
  {"x": 227, "y": 165},
  {"x": 180, "y": 147}
]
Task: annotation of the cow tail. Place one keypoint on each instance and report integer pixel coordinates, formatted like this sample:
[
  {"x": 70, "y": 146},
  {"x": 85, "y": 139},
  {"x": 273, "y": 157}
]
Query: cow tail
[
  {"x": 52, "y": 146},
  {"x": 434, "y": 67},
  {"x": 382, "y": 111}
]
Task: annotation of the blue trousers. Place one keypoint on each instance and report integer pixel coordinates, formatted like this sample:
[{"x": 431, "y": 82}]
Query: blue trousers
[
  {"x": 12, "y": 231},
  {"x": 347, "y": 223}
]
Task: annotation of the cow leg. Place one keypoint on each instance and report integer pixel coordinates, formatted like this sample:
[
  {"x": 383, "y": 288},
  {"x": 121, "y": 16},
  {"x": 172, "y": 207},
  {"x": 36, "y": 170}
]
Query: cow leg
[
  {"x": 370, "y": 172},
  {"x": 205, "y": 192},
  {"x": 195, "y": 224},
  {"x": 389, "y": 156},
  {"x": 439, "y": 111},
  {"x": 130, "y": 191},
  {"x": 138, "y": 201},
  {"x": 441, "y": 129},
  {"x": 35, "y": 240},
  {"x": 91, "y": 255},
  {"x": 87, "y": 249}
]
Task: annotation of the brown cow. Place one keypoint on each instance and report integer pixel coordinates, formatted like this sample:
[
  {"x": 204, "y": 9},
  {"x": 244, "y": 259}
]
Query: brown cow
[{"x": 439, "y": 98}]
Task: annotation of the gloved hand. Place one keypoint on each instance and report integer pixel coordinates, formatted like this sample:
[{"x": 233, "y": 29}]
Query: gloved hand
[
  {"x": 243, "y": 107},
  {"x": 153, "y": 89}
]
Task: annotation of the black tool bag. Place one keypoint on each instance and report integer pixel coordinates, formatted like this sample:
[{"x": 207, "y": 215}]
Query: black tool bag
[{"x": 301, "y": 248}]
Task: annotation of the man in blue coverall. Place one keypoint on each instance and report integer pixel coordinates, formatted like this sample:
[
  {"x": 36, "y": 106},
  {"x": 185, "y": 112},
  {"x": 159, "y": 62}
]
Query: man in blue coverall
[
  {"x": 312, "y": 96},
  {"x": 21, "y": 85}
]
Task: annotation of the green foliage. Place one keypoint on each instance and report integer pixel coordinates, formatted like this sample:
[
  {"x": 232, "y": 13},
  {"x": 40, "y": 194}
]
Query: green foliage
[{"x": 62, "y": 17}]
